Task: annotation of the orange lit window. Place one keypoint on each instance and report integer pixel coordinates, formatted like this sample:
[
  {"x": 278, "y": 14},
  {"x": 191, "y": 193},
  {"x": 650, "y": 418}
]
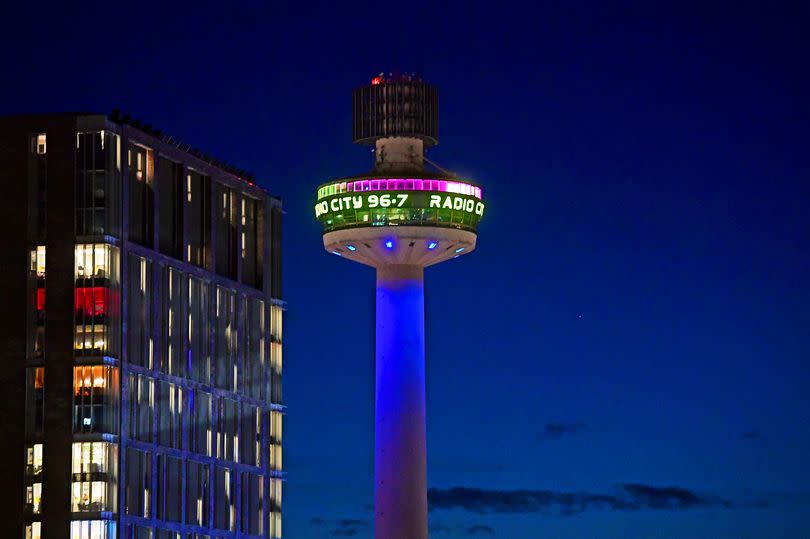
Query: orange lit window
[
  {"x": 39, "y": 378},
  {"x": 90, "y": 377}
]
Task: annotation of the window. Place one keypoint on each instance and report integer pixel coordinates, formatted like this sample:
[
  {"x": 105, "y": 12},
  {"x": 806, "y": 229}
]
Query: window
[
  {"x": 36, "y": 306},
  {"x": 33, "y": 460},
  {"x": 33, "y": 530},
  {"x": 171, "y": 201},
  {"x": 198, "y": 193},
  {"x": 252, "y": 374},
  {"x": 172, "y": 359},
  {"x": 96, "y": 300},
  {"x": 169, "y": 488},
  {"x": 141, "y": 195},
  {"x": 95, "y": 399},
  {"x": 142, "y": 405},
  {"x": 199, "y": 342},
  {"x": 93, "y": 529},
  {"x": 138, "y": 485},
  {"x": 98, "y": 181},
  {"x": 35, "y": 400},
  {"x": 200, "y": 410},
  {"x": 252, "y": 242},
  {"x": 224, "y": 499},
  {"x": 275, "y": 508},
  {"x": 250, "y": 437},
  {"x": 227, "y": 431},
  {"x": 197, "y": 493},
  {"x": 33, "y": 498},
  {"x": 91, "y": 496},
  {"x": 94, "y": 458},
  {"x": 139, "y": 317},
  {"x": 94, "y": 467},
  {"x": 252, "y": 503},
  {"x": 275, "y": 353},
  {"x": 40, "y": 146},
  {"x": 170, "y": 414},
  {"x": 275, "y": 440},
  {"x": 226, "y": 260},
  {"x": 225, "y": 338}
]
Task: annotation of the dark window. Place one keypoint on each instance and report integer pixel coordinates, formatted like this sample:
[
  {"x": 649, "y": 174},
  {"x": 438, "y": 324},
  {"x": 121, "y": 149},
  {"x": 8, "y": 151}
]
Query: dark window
[
  {"x": 197, "y": 493},
  {"x": 98, "y": 167},
  {"x": 138, "y": 315},
  {"x": 226, "y": 258},
  {"x": 198, "y": 195},
  {"x": 169, "y": 487},
  {"x": 35, "y": 400},
  {"x": 224, "y": 495},
  {"x": 275, "y": 253},
  {"x": 252, "y": 242},
  {"x": 141, "y": 195},
  {"x": 171, "y": 194},
  {"x": 138, "y": 484}
]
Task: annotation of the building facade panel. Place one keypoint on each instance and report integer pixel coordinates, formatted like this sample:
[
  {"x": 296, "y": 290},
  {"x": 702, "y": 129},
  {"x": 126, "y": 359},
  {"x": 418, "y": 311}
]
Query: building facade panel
[{"x": 145, "y": 355}]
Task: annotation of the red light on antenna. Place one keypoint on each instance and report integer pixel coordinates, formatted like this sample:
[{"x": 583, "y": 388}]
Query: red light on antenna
[{"x": 376, "y": 80}]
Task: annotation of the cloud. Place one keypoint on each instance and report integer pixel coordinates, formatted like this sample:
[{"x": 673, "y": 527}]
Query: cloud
[
  {"x": 557, "y": 430},
  {"x": 344, "y": 527},
  {"x": 752, "y": 435},
  {"x": 473, "y": 530},
  {"x": 628, "y": 497}
]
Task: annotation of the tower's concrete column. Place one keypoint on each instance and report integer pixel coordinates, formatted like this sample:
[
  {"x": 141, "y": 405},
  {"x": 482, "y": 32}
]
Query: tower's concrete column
[{"x": 400, "y": 489}]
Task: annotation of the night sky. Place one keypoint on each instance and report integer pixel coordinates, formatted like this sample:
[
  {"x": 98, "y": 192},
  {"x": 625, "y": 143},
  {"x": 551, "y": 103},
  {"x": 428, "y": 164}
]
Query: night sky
[{"x": 626, "y": 354}]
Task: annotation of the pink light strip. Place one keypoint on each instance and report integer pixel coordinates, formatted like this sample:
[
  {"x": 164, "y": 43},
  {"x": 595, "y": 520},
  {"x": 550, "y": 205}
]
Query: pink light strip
[{"x": 403, "y": 184}]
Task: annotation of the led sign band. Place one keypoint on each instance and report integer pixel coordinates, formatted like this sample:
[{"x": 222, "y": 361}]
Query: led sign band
[
  {"x": 399, "y": 184},
  {"x": 389, "y": 208},
  {"x": 411, "y": 200}
]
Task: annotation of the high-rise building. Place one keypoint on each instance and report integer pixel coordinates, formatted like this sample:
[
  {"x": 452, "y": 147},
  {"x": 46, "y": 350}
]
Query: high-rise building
[
  {"x": 399, "y": 218},
  {"x": 141, "y": 336}
]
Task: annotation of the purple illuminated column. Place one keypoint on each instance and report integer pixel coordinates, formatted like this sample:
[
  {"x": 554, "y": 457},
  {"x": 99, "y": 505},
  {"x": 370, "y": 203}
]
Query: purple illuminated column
[{"x": 400, "y": 488}]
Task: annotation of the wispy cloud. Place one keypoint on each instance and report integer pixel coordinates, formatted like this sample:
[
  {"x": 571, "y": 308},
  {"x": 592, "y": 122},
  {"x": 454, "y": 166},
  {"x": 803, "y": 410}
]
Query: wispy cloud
[
  {"x": 460, "y": 529},
  {"x": 627, "y": 497},
  {"x": 556, "y": 430},
  {"x": 343, "y": 527}
]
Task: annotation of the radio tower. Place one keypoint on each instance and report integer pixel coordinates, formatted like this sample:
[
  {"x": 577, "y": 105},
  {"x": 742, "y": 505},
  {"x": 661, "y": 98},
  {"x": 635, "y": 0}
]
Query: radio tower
[{"x": 399, "y": 218}]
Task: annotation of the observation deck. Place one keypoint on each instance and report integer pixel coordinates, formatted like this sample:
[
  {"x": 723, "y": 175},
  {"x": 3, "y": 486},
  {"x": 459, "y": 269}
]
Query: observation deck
[{"x": 380, "y": 221}]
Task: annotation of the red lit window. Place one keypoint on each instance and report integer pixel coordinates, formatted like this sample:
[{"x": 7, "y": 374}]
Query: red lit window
[
  {"x": 376, "y": 80},
  {"x": 91, "y": 300}
]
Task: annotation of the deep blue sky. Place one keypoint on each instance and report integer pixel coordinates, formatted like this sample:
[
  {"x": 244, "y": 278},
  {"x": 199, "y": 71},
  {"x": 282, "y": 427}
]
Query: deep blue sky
[{"x": 637, "y": 313}]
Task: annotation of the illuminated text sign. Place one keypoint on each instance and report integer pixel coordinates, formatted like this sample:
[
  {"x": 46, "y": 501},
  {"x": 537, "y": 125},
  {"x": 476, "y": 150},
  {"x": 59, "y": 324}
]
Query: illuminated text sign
[{"x": 399, "y": 199}]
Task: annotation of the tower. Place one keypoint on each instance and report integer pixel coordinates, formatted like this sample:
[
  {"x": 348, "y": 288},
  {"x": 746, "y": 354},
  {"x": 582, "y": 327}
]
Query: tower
[{"x": 399, "y": 218}]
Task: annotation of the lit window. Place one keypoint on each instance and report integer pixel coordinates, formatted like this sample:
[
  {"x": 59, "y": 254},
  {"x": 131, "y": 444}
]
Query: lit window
[
  {"x": 89, "y": 496},
  {"x": 92, "y": 529},
  {"x": 41, "y": 145},
  {"x": 33, "y": 460},
  {"x": 33, "y": 497},
  {"x": 33, "y": 530},
  {"x": 92, "y": 260},
  {"x": 93, "y": 457},
  {"x": 38, "y": 261}
]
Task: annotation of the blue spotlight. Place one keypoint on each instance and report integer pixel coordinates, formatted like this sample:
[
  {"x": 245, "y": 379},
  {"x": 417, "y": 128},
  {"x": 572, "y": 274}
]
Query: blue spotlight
[
  {"x": 432, "y": 245},
  {"x": 336, "y": 253},
  {"x": 389, "y": 244},
  {"x": 460, "y": 249},
  {"x": 351, "y": 247}
]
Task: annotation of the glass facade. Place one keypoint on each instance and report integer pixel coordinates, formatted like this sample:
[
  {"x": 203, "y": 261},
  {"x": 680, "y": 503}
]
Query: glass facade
[
  {"x": 97, "y": 301},
  {"x": 98, "y": 184},
  {"x": 176, "y": 353}
]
